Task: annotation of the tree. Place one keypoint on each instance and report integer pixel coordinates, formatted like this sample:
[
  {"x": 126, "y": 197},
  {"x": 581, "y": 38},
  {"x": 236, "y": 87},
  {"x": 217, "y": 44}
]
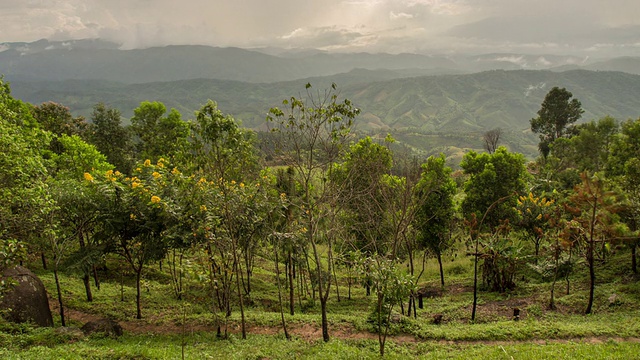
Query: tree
[
  {"x": 361, "y": 179},
  {"x": 25, "y": 202},
  {"x": 57, "y": 119},
  {"x": 76, "y": 212},
  {"x": 491, "y": 139},
  {"x": 492, "y": 177},
  {"x": 624, "y": 167},
  {"x": 593, "y": 209},
  {"x": 108, "y": 135},
  {"x": 433, "y": 222},
  {"x": 158, "y": 135},
  {"x": 588, "y": 148},
  {"x": 391, "y": 287},
  {"x": 312, "y": 135},
  {"x": 133, "y": 211},
  {"x": 534, "y": 215},
  {"x": 557, "y": 113}
]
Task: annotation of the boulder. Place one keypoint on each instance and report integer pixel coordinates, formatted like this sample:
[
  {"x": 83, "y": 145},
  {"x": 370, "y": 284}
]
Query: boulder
[
  {"x": 25, "y": 299},
  {"x": 106, "y": 327}
]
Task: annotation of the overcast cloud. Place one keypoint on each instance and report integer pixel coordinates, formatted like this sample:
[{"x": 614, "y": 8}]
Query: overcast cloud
[{"x": 425, "y": 26}]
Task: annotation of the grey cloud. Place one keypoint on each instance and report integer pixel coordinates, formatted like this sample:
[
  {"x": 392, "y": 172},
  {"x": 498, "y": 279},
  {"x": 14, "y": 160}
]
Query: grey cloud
[{"x": 347, "y": 25}]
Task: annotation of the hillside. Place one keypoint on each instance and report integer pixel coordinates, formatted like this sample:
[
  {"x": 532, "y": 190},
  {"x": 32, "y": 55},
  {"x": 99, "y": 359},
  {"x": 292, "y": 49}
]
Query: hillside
[{"x": 428, "y": 113}]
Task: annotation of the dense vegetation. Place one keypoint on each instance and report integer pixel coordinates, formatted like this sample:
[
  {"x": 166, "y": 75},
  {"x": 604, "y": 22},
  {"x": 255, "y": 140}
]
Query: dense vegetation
[{"x": 214, "y": 229}]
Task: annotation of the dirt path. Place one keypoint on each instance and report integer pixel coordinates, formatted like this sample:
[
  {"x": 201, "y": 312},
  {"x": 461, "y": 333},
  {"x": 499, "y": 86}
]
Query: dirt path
[{"x": 310, "y": 333}]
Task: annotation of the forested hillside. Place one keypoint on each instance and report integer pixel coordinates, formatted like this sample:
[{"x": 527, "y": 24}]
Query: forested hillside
[
  {"x": 430, "y": 114},
  {"x": 203, "y": 224}
]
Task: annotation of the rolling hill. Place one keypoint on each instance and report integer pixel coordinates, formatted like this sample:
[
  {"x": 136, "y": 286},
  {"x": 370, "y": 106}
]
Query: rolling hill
[{"x": 461, "y": 107}]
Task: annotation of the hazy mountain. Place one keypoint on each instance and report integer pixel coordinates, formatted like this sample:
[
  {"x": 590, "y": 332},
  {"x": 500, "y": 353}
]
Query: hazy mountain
[
  {"x": 627, "y": 64},
  {"x": 101, "y": 60},
  {"x": 427, "y": 111},
  {"x": 439, "y": 103}
]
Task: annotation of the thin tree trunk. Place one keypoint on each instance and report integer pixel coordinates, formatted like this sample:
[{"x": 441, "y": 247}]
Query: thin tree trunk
[
  {"x": 475, "y": 282},
  {"x": 323, "y": 299},
  {"x": 239, "y": 286},
  {"x": 284, "y": 323},
  {"x": 591, "y": 258},
  {"x": 44, "y": 260},
  {"x": 439, "y": 256},
  {"x": 55, "y": 275},
  {"x": 138, "y": 307},
  {"x": 335, "y": 277},
  {"x": 592, "y": 278},
  {"x": 291, "y": 285},
  {"x": 634, "y": 265},
  {"x": 96, "y": 280},
  {"x": 87, "y": 287}
]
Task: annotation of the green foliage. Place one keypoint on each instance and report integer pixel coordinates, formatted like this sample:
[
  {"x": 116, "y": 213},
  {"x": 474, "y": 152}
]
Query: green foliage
[
  {"x": 108, "y": 135},
  {"x": 158, "y": 135},
  {"x": 435, "y": 191},
  {"x": 494, "y": 181},
  {"x": 25, "y": 202},
  {"x": 57, "y": 119},
  {"x": 557, "y": 113},
  {"x": 220, "y": 148}
]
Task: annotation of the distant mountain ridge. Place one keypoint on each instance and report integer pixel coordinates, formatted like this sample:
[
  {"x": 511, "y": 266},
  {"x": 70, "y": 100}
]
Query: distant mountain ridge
[
  {"x": 95, "y": 59},
  {"x": 388, "y": 99},
  {"x": 430, "y": 103}
]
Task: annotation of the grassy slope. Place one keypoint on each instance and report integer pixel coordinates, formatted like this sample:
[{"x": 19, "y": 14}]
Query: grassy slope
[{"x": 540, "y": 334}]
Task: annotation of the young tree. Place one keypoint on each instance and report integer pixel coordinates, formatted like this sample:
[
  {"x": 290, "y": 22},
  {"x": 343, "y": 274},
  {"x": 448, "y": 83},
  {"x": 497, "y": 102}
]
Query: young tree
[
  {"x": 624, "y": 168},
  {"x": 312, "y": 135},
  {"x": 57, "y": 119},
  {"x": 557, "y": 113},
  {"x": 158, "y": 135},
  {"x": 491, "y": 139},
  {"x": 391, "y": 287},
  {"x": 534, "y": 214},
  {"x": 133, "y": 213},
  {"x": 493, "y": 177},
  {"x": 592, "y": 207},
  {"x": 436, "y": 190},
  {"x": 113, "y": 140}
]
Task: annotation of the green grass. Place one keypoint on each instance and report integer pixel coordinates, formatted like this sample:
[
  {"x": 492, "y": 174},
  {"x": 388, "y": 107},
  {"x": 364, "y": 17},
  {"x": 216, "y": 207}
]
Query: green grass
[
  {"x": 565, "y": 333},
  {"x": 206, "y": 346}
]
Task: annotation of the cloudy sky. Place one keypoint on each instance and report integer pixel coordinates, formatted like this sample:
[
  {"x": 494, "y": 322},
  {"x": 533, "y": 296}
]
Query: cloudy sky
[{"x": 422, "y": 26}]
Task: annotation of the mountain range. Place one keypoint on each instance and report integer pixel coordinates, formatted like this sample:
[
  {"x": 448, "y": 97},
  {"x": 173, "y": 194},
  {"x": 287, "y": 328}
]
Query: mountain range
[{"x": 430, "y": 103}]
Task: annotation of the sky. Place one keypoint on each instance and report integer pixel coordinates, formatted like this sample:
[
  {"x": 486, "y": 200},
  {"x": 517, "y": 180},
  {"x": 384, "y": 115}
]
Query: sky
[{"x": 584, "y": 27}]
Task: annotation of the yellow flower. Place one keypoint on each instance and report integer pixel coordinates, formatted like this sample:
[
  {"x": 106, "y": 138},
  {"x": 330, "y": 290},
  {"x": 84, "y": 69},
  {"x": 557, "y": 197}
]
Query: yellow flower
[
  {"x": 147, "y": 162},
  {"x": 118, "y": 173},
  {"x": 88, "y": 177},
  {"x": 203, "y": 208},
  {"x": 241, "y": 185},
  {"x": 156, "y": 175},
  {"x": 202, "y": 180},
  {"x": 135, "y": 184},
  {"x": 155, "y": 199},
  {"x": 233, "y": 182},
  {"x": 175, "y": 171},
  {"x": 132, "y": 216},
  {"x": 161, "y": 162},
  {"x": 539, "y": 217}
]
